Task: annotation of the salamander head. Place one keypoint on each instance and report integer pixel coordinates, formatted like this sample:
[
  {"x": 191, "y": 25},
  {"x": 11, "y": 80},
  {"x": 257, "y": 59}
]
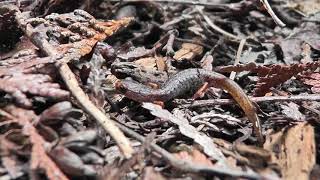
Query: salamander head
[
  {"x": 135, "y": 91},
  {"x": 123, "y": 69}
]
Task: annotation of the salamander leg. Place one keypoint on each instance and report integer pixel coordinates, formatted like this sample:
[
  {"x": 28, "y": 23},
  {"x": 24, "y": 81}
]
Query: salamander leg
[{"x": 201, "y": 91}]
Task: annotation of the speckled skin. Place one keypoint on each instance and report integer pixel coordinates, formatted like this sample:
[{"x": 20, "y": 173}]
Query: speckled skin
[
  {"x": 190, "y": 80},
  {"x": 185, "y": 81}
]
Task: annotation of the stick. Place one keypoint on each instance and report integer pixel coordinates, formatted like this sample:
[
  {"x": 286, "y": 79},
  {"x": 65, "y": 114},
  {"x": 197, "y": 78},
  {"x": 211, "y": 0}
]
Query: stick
[
  {"x": 239, "y": 52},
  {"x": 209, "y": 102},
  {"x": 216, "y": 28},
  {"x": 272, "y": 14}
]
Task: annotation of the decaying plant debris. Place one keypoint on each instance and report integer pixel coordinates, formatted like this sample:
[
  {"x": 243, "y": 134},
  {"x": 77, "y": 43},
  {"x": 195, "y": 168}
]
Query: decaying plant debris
[{"x": 65, "y": 112}]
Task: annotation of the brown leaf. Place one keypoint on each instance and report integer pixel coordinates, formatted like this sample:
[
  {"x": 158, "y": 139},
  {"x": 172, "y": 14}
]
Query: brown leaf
[
  {"x": 293, "y": 150},
  {"x": 188, "y": 51},
  {"x": 24, "y": 64},
  {"x": 39, "y": 157},
  {"x": 206, "y": 62},
  {"x": 59, "y": 111},
  {"x": 195, "y": 157},
  {"x": 148, "y": 63},
  {"x": 312, "y": 80},
  {"x": 136, "y": 53},
  {"x": 161, "y": 64},
  {"x": 82, "y": 31},
  {"x": 70, "y": 162},
  {"x": 271, "y": 76},
  {"x": 308, "y": 7},
  {"x": 278, "y": 74},
  {"x": 73, "y": 34},
  {"x": 18, "y": 85},
  {"x": 258, "y": 157}
]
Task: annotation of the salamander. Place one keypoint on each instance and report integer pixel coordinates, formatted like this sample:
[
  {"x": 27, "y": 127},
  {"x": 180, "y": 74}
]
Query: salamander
[{"x": 190, "y": 80}]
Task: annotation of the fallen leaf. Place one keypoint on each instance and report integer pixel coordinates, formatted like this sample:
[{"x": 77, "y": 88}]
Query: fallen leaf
[
  {"x": 19, "y": 85},
  {"x": 195, "y": 157},
  {"x": 186, "y": 129},
  {"x": 135, "y": 53},
  {"x": 292, "y": 45},
  {"x": 258, "y": 157},
  {"x": 148, "y": 63},
  {"x": 293, "y": 149},
  {"x": 307, "y": 7},
  {"x": 312, "y": 80},
  {"x": 291, "y": 110},
  {"x": 188, "y": 51}
]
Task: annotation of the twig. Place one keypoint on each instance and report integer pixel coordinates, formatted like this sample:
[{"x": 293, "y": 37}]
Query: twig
[
  {"x": 72, "y": 84},
  {"x": 185, "y": 165},
  {"x": 272, "y": 14},
  {"x": 104, "y": 119},
  {"x": 239, "y": 52},
  {"x": 215, "y": 27},
  {"x": 184, "y": 17},
  {"x": 209, "y": 102},
  {"x": 169, "y": 45}
]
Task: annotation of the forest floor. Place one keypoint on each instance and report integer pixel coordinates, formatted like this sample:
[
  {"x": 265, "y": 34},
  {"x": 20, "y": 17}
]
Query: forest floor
[{"x": 163, "y": 89}]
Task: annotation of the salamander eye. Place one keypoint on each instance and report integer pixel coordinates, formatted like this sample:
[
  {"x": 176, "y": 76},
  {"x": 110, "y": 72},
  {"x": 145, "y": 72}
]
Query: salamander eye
[{"x": 119, "y": 86}]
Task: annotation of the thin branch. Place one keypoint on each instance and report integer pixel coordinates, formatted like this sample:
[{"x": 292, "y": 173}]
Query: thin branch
[
  {"x": 169, "y": 45},
  {"x": 239, "y": 52},
  {"x": 104, "y": 119},
  {"x": 210, "y": 102},
  {"x": 272, "y": 14},
  {"x": 215, "y": 27}
]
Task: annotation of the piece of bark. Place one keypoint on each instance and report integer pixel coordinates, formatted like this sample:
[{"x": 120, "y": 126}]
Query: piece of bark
[{"x": 293, "y": 150}]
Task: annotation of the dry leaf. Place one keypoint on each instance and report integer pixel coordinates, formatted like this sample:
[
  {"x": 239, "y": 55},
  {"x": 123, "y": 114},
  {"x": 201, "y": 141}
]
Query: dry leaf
[
  {"x": 19, "y": 85},
  {"x": 135, "y": 53},
  {"x": 39, "y": 157},
  {"x": 293, "y": 150},
  {"x": 257, "y": 157},
  {"x": 70, "y": 162},
  {"x": 186, "y": 129},
  {"x": 148, "y": 63},
  {"x": 291, "y": 110},
  {"x": 307, "y": 7},
  {"x": 312, "y": 80},
  {"x": 188, "y": 51},
  {"x": 195, "y": 157}
]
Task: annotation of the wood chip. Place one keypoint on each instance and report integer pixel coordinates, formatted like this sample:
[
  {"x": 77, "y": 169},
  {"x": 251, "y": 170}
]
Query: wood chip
[
  {"x": 293, "y": 150},
  {"x": 148, "y": 63},
  {"x": 188, "y": 51}
]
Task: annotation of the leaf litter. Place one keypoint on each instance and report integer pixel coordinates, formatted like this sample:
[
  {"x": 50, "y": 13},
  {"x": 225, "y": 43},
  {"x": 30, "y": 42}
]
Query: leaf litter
[{"x": 51, "y": 51}]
